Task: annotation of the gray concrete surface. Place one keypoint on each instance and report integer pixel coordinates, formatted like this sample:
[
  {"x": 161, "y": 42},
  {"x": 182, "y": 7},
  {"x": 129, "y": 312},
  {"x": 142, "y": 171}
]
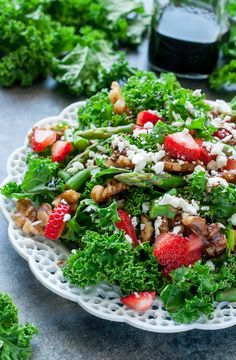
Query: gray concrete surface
[{"x": 67, "y": 332}]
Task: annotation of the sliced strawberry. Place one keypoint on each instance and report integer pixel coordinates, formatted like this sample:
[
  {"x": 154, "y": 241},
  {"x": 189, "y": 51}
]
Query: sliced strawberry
[
  {"x": 205, "y": 157},
  {"x": 147, "y": 116},
  {"x": 41, "y": 139},
  {"x": 60, "y": 150},
  {"x": 182, "y": 146},
  {"x": 231, "y": 164},
  {"x": 139, "y": 301},
  {"x": 173, "y": 251},
  {"x": 56, "y": 223},
  {"x": 170, "y": 248},
  {"x": 125, "y": 224},
  {"x": 221, "y": 133}
]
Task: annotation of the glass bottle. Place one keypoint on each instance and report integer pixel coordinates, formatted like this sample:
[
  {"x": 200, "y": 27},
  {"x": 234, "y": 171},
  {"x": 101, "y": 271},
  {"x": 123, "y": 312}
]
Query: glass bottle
[{"x": 185, "y": 36}]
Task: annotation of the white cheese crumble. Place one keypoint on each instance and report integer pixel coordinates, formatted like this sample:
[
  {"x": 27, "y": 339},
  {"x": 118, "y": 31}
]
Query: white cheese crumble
[
  {"x": 145, "y": 207},
  {"x": 197, "y": 92},
  {"x": 210, "y": 264},
  {"x": 215, "y": 181},
  {"x": 128, "y": 239},
  {"x": 158, "y": 167},
  {"x": 221, "y": 106},
  {"x": 233, "y": 219},
  {"x": 76, "y": 166},
  {"x": 142, "y": 227},
  {"x": 66, "y": 217},
  {"x": 178, "y": 202},
  {"x": 134, "y": 221},
  {"x": 199, "y": 168},
  {"x": 189, "y": 106},
  {"x": 148, "y": 125},
  {"x": 157, "y": 225},
  {"x": 176, "y": 230}
]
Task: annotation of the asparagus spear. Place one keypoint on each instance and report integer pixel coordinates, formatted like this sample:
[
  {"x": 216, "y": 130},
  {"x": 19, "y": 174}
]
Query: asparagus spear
[
  {"x": 78, "y": 180},
  {"x": 148, "y": 180},
  {"x": 228, "y": 295},
  {"x": 104, "y": 132}
]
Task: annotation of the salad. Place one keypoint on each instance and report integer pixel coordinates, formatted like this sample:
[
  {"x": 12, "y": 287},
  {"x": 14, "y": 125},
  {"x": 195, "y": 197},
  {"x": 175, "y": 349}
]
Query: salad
[{"x": 143, "y": 193}]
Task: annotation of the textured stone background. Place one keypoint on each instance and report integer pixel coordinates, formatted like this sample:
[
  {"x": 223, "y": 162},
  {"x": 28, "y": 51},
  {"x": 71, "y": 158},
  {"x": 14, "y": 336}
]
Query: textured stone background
[{"x": 67, "y": 332}]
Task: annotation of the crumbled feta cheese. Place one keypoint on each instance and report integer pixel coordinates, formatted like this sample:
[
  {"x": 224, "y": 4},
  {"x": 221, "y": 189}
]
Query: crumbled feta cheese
[
  {"x": 66, "y": 217},
  {"x": 75, "y": 167},
  {"x": 189, "y": 106},
  {"x": 233, "y": 219},
  {"x": 215, "y": 181},
  {"x": 137, "y": 132},
  {"x": 63, "y": 201},
  {"x": 178, "y": 202},
  {"x": 90, "y": 208},
  {"x": 128, "y": 239},
  {"x": 145, "y": 207},
  {"x": 157, "y": 224},
  {"x": 140, "y": 160},
  {"x": 216, "y": 122},
  {"x": 176, "y": 116},
  {"x": 205, "y": 208},
  {"x": 176, "y": 229},
  {"x": 73, "y": 251},
  {"x": 197, "y": 92},
  {"x": 148, "y": 125},
  {"x": 222, "y": 107},
  {"x": 134, "y": 221},
  {"x": 210, "y": 264},
  {"x": 211, "y": 165},
  {"x": 158, "y": 167},
  {"x": 142, "y": 227},
  {"x": 199, "y": 168},
  {"x": 221, "y": 161},
  {"x": 158, "y": 155},
  {"x": 188, "y": 121}
]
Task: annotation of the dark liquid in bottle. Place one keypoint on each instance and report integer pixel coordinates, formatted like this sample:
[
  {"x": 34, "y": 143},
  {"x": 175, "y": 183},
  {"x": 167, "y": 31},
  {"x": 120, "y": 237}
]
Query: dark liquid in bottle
[{"x": 185, "y": 41}]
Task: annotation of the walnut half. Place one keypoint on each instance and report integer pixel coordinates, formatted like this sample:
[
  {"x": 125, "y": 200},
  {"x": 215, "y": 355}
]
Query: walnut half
[{"x": 101, "y": 193}]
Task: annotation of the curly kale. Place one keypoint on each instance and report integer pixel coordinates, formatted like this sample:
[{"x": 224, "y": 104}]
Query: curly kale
[
  {"x": 193, "y": 289},
  {"x": 90, "y": 68},
  {"x": 197, "y": 185},
  {"x": 29, "y": 41},
  {"x": 145, "y": 91},
  {"x": 14, "y": 338},
  {"x": 98, "y": 111},
  {"x": 110, "y": 258},
  {"x": 134, "y": 198},
  {"x": 39, "y": 183}
]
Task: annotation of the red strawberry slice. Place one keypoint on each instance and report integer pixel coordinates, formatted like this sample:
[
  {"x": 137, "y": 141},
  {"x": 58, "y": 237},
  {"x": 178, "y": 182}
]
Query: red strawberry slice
[
  {"x": 60, "y": 150},
  {"x": 205, "y": 157},
  {"x": 231, "y": 164},
  {"x": 147, "y": 116},
  {"x": 173, "y": 251},
  {"x": 221, "y": 133},
  {"x": 41, "y": 139},
  {"x": 139, "y": 301},
  {"x": 169, "y": 248},
  {"x": 56, "y": 223},
  {"x": 125, "y": 224},
  {"x": 182, "y": 146}
]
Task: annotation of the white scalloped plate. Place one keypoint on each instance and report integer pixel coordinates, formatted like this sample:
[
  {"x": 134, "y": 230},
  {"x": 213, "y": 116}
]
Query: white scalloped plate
[{"x": 44, "y": 257}]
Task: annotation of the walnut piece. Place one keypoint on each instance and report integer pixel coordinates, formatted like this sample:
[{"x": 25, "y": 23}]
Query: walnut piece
[
  {"x": 175, "y": 167},
  {"x": 120, "y": 162},
  {"x": 148, "y": 230},
  {"x": 229, "y": 176},
  {"x": 117, "y": 99},
  {"x": 101, "y": 193},
  {"x": 30, "y": 219},
  {"x": 70, "y": 196}
]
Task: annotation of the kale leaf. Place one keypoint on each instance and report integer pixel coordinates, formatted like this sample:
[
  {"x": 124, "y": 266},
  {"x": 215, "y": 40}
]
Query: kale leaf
[
  {"x": 110, "y": 258},
  {"x": 88, "y": 69},
  {"x": 14, "y": 338}
]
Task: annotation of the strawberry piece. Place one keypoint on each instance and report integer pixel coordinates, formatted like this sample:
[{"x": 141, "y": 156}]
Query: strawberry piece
[
  {"x": 60, "y": 150},
  {"x": 231, "y": 164},
  {"x": 205, "y": 157},
  {"x": 125, "y": 224},
  {"x": 56, "y": 223},
  {"x": 182, "y": 146},
  {"x": 173, "y": 251},
  {"x": 41, "y": 139},
  {"x": 221, "y": 133},
  {"x": 169, "y": 248},
  {"x": 147, "y": 116},
  {"x": 139, "y": 301}
]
